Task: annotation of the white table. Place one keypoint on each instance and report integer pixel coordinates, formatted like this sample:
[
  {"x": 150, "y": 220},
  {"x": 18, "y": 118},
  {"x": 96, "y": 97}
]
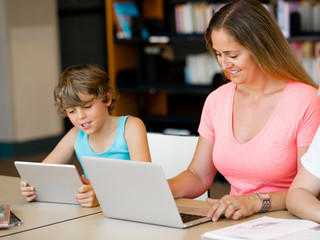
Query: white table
[
  {"x": 60, "y": 221},
  {"x": 35, "y": 215}
]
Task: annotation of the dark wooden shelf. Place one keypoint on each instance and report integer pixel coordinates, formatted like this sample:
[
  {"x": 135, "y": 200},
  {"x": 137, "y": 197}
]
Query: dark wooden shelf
[
  {"x": 169, "y": 88},
  {"x": 164, "y": 38},
  {"x": 305, "y": 37},
  {"x": 159, "y": 123},
  {"x": 200, "y": 37},
  {"x": 173, "y": 119}
]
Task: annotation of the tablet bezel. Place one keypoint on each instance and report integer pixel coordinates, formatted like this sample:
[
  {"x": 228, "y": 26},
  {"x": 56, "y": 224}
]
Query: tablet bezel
[{"x": 53, "y": 182}]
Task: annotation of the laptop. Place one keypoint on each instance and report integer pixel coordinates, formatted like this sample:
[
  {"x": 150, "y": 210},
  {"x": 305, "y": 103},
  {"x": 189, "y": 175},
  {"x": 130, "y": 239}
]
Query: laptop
[
  {"x": 57, "y": 183},
  {"x": 138, "y": 191}
]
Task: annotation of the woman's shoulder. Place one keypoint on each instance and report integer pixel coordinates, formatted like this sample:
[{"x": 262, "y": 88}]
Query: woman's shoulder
[
  {"x": 220, "y": 98},
  {"x": 302, "y": 94},
  {"x": 223, "y": 90},
  {"x": 301, "y": 88}
]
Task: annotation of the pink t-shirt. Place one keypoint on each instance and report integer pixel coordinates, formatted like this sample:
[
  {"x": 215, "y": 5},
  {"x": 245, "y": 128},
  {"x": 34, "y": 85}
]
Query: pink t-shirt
[{"x": 268, "y": 162}]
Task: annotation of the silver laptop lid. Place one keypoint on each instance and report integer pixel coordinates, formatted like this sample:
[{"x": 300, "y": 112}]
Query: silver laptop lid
[{"x": 135, "y": 191}]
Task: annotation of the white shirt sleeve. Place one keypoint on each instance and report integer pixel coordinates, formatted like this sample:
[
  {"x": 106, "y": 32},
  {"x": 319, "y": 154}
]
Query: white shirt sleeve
[{"x": 311, "y": 159}]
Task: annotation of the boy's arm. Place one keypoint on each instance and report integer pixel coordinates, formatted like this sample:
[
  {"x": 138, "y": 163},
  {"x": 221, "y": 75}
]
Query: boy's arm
[
  {"x": 64, "y": 150},
  {"x": 136, "y": 137}
]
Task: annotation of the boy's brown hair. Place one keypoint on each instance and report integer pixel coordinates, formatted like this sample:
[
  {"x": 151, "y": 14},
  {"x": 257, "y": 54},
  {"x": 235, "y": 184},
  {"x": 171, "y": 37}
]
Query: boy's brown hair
[{"x": 82, "y": 80}]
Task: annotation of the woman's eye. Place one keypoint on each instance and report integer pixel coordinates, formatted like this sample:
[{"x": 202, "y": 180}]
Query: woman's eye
[
  {"x": 70, "y": 111},
  {"x": 87, "y": 106},
  {"x": 233, "y": 56}
]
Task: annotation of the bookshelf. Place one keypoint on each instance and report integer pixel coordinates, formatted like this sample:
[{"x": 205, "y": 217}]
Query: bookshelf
[
  {"x": 154, "y": 88},
  {"x": 151, "y": 87},
  {"x": 300, "y": 23}
]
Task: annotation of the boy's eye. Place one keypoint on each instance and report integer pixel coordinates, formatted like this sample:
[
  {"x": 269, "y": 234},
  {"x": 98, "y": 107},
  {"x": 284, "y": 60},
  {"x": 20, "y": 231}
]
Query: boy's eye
[
  {"x": 70, "y": 111},
  {"x": 87, "y": 106}
]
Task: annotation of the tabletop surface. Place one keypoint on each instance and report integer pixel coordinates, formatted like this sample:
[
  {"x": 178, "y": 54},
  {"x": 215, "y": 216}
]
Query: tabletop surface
[
  {"x": 36, "y": 214},
  {"x": 53, "y": 221}
]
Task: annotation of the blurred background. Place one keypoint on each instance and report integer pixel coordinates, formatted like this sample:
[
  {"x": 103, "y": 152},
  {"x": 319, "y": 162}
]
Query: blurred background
[{"x": 38, "y": 40}]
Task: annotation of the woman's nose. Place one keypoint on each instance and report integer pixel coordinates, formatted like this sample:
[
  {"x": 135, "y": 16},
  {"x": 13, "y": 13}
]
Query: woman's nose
[{"x": 225, "y": 63}]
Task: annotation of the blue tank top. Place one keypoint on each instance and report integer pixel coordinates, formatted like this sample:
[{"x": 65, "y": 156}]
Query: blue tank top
[{"x": 118, "y": 150}]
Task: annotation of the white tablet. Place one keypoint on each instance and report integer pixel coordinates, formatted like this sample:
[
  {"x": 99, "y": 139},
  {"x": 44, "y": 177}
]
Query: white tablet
[{"x": 53, "y": 182}]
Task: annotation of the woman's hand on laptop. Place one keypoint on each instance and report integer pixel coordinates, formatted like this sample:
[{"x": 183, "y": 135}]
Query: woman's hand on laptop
[
  {"x": 86, "y": 196},
  {"x": 27, "y": 191}
]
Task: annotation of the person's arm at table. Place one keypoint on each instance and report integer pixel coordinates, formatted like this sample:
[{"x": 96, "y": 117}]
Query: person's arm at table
[
  {"x": 198, "y": 177},
  {"x": 302, "y": 196}
]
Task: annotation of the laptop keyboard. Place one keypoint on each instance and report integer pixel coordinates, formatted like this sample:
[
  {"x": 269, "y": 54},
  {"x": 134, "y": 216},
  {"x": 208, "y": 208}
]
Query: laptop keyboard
[{"x": 189, "y": 217}]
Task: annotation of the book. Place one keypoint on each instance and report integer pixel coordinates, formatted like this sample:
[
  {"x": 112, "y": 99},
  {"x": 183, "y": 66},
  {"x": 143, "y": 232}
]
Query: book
[
  {"x": 305, "y": 10},
  {"x": 316, "y": 17},
  {"x": 127, "y": 20},
  {"x": 267, "y": 228},
  {"x": 4, "y": 215},
  {"x": 284, "y": 12},
  {"x": 14, "y": 220},
  {"x": 200, "y": 69},
  {"x": 7, "y": 217},
  {"x": 193, "y": 18}
]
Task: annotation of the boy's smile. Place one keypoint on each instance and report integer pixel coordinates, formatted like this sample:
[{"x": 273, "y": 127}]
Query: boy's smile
[{"x": 90, "y": 117}]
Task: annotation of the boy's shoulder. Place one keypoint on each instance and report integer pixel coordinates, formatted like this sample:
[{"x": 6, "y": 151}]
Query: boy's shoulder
[{"x": 132, "y": 122}]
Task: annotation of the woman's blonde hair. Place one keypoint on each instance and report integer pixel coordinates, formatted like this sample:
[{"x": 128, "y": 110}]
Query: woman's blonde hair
[
  {"x": 82, "y": 80},
  {"x": 255, "y": 28}
]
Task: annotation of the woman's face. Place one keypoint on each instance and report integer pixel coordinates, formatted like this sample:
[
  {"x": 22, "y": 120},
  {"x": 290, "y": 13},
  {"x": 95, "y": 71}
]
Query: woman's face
[{"x": 235, "y": 60}]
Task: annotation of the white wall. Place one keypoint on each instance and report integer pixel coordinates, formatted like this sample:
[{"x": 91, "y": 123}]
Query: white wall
[
  {"x": 29, "y": 70},
  {"x": 6, "y": 131}
]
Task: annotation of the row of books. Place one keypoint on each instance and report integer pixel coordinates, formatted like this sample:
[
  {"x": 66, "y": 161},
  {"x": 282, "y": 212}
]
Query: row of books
[
  {"x": 193, "y": 17},
  {"x": 306, "y": 49},
  {"x": 298, "y": 17},
  {"x": 200, "y": 69},
  {"x": 307, "y": 53},
  {"x": 294, "y": 17},
  {"x": 310, "y": 65},
  {"x": 128, "y": 21}
]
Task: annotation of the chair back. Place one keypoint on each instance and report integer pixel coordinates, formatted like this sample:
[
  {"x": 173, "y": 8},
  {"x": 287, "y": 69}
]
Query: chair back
[{"x": 174, "y": 153}]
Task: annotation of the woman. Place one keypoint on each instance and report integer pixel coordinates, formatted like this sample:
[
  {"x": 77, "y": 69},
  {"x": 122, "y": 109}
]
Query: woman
[{"x": 255, "y": 128}]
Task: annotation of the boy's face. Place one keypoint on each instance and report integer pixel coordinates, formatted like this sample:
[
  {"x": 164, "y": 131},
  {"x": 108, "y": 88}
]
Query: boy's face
[{"x": 90, "y": 117}]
